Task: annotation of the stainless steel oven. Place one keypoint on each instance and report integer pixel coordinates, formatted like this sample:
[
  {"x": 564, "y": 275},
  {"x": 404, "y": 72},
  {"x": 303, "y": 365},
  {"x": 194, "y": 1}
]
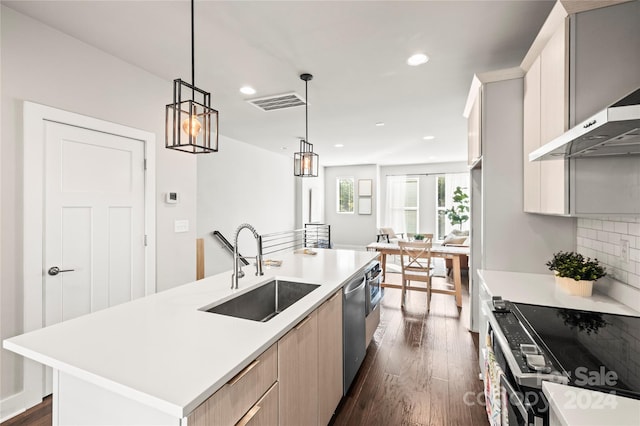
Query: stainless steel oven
[{"x": 374, "y": 290}]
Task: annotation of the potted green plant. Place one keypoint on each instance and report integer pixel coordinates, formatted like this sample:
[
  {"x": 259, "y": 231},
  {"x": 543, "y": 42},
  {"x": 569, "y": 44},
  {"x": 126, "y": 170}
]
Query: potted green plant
[
  {"x": 575, "y": 273},
  {"x": 418, "y": 237},
  {"x": 458, "y": 214}
]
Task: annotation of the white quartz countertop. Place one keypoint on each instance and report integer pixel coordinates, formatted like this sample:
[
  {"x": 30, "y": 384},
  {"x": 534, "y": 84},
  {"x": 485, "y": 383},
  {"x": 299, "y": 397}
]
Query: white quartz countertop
[
  {"x": 161, "y": 350},
  {"x": 580, "y": 407},
  {"x": 541, "y": 289}
]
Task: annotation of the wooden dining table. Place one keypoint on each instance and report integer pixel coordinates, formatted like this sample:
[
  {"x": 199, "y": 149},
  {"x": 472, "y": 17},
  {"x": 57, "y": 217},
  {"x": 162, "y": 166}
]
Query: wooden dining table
[{"x": 447, "y": 252}]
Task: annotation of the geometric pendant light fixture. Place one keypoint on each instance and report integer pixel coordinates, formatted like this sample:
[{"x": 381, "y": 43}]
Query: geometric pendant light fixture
[
  {"x": 305, "y": 162},
  {"x": 191, "y": 124}
]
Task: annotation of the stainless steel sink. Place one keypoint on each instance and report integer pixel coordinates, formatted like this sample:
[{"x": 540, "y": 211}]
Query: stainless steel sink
[{"x": 264, "y": 302}]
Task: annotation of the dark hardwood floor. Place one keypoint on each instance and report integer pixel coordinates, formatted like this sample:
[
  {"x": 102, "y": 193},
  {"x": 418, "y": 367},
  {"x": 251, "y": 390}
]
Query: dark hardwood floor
[
  {"x": 417, "y": 371},
  {"x": 419, "y": 367},
  {"x": 40, "y": 415}
]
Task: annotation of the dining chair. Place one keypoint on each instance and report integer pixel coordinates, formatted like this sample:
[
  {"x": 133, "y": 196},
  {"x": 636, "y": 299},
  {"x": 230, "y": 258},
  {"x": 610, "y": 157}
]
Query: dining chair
[
  {"x": 389, "y": 235},
  {"x": 415, "y": 260}
]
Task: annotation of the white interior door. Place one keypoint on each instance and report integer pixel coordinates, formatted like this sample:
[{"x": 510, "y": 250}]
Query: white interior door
[{"x": 94, "y": 227}]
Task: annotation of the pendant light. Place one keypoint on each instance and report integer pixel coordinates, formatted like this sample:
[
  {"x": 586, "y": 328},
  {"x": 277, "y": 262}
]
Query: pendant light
[
  {"x": 305, "y": 162},
  {"x": 191, "y": 124}
]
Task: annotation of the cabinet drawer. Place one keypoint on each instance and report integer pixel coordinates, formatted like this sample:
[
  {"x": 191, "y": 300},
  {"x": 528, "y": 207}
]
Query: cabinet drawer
[
  {"x": 265, "y": 412},
  {"x": 231, "y": 402}
]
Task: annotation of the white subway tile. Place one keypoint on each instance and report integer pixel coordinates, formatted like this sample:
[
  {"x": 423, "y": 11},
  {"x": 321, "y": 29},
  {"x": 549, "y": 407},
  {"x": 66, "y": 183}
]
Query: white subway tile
[
  {"x": 596, "y": 224},
  {"x": 602, "y": 236},
  {"x": 580, "y": 242},
  {"x": 581, "y": 222},
  {"x": 587, "y": 223},
  {"x": 634, "y": 280},
  {"x": 596, "y": 245},
  {"x": 582, "y": 232},
  {"x": 592, "y": 233},
  {"x": 634, "y": 255},
  {"x": 622, "y": 227},
  {"x": 608, "y": 248},
  {"x": 629, "y": 267},
  {"x": 634, "y": 229},
  {"x": 614, "y": 238},
  {"x": 608, "y": 226}
]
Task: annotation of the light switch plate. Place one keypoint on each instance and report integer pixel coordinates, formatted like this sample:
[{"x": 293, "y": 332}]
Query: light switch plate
[{"x": 181, "y": 225}]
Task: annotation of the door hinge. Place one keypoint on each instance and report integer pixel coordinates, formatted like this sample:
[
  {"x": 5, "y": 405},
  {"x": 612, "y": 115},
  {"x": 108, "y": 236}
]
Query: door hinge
[{"x": 145, "y": 240}]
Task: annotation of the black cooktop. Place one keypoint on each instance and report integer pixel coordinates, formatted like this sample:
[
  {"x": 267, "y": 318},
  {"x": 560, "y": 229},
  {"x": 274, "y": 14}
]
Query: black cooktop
[{"x": 599, "y": 351}]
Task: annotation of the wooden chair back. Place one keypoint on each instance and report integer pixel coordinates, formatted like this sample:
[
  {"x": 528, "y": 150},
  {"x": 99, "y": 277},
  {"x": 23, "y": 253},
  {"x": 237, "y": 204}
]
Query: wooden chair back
[{"x": 415, "y": 259}]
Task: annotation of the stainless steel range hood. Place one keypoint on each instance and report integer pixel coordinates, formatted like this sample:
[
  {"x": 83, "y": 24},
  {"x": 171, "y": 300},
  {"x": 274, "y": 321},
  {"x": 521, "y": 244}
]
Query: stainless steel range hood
[{"x": 612, "y": 131}]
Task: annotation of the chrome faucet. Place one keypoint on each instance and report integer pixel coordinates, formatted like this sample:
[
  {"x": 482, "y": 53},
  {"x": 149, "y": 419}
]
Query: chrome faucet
[{"x": 237, "y": 270}]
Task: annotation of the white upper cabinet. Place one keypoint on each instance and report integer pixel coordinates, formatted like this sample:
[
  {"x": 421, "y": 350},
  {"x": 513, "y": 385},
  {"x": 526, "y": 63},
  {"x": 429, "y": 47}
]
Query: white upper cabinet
[{"x": 578, "y": 65}]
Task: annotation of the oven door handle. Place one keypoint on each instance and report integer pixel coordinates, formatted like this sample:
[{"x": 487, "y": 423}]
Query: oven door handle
[
  {"x": 376, "y": 276},
  {"x": 514, "y": 399}
]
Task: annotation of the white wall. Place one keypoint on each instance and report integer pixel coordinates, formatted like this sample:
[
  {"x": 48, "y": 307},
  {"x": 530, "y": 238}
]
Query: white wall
[
  {"x": 427, "y": 174},
  {"x": 242, "y": 184},
  {"x": 310, "y": 191},
  {"x": 45, "y": 66},
  {"x": 350, "y": 229}
]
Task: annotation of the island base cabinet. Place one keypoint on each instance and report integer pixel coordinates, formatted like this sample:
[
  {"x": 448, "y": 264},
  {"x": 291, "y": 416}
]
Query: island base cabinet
[
  {"x": 265, "y": 412},
  {"x": 329, "y": 357},
  {"x": 238, "y": 397},
  {"x": 298, "y": 374},
  {"x": 78, "y": 402}
]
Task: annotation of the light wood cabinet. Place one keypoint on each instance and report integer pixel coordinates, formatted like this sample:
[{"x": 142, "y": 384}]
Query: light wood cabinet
[
  {"x": 235, "y": 399},
  {"x": 298, "y": 374},
  {"x": 264, "y": 412},
  {"x": 329, "y": 357}
]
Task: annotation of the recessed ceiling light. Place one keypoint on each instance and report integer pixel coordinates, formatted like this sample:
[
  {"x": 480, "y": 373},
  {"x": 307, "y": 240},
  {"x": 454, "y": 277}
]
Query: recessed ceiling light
[
  {"x": 248, "y": 90},
  {"x": 338, "y": 145},
  {"x": 428, "y": 138},
  {"x": 379, "y": 124},
  {"x": 417, "y": 59},
  {"x": 283, "y": 148}
]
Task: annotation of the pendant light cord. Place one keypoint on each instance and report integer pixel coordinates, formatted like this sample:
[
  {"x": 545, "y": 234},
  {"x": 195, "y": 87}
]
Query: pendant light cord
[
  {"x": 306, "y": 111},
  {"x": 193, "y": 55}
]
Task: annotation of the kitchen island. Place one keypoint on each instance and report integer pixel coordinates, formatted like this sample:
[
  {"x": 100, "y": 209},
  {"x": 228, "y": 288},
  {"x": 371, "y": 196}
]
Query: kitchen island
[{"x": 158, "y": 358}]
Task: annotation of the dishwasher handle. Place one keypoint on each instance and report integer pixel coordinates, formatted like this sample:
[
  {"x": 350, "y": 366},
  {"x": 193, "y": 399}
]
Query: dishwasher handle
[{"x": 349, "y": 290}]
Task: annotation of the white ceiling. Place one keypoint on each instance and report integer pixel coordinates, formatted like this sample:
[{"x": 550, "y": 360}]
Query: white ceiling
[{"x": 356, "y": 50}]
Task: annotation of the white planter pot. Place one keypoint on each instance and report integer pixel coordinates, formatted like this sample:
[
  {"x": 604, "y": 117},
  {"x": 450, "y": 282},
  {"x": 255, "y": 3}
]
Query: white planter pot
[{"x": 575, "y": 288}]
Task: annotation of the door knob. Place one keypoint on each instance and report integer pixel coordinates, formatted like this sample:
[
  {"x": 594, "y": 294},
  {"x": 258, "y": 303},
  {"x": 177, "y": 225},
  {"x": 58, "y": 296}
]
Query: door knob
[{"x": 54, "y": 270}]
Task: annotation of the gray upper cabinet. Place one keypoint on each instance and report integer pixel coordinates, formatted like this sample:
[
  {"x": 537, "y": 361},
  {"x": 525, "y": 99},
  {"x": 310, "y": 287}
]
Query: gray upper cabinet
[
  {"x": 579, "y": 64},
  {"x": 605, "y": 58}
]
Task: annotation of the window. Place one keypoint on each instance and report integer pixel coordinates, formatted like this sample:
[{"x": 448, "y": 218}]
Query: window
[
  {"x": 445, "y": 186},
  {"x": 402, "y": 213},
  {"x": 344, "y": 191}
]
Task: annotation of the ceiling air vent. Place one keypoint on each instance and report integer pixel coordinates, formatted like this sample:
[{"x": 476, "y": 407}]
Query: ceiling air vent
[{"x": 270, "y": 103}]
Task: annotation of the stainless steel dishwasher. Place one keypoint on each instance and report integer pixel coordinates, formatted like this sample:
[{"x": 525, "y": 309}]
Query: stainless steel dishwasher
[{"x": 353, "y": 328}]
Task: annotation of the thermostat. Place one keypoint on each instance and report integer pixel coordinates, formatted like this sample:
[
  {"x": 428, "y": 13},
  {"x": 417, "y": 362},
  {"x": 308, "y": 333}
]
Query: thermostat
[{"x": 171, "y": 198}]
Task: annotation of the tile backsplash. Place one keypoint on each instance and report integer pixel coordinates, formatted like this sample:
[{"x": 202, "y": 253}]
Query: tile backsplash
[{"x": 605, "y": 239}]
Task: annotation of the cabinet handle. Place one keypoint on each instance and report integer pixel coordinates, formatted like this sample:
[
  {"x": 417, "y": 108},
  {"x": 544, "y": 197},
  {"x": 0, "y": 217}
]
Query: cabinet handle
[
  {"x": 244, "y": 372},
  {"x": 589, "y": 124},
  {"x": 306, "y": 320},
  {"x": 250, "y": 415}
]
